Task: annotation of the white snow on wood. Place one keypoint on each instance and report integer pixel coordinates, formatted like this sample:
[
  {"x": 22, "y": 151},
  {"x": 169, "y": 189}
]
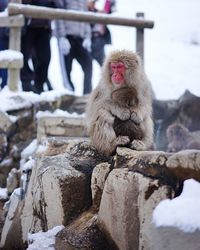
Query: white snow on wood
[{"x": 10, "y": 55}]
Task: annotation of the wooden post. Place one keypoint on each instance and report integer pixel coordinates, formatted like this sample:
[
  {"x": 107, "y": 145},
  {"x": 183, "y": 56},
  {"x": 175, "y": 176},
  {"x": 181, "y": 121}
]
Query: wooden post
[
  {"x": 14, "y": 44},
  {"x": 140, "y": 38}
]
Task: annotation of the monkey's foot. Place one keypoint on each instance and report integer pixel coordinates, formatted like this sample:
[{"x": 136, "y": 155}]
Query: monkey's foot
[
  {"x": 135, "y": 118},
  {"x": 138, "y": 145},
  {"x": 122, "y": 140}
]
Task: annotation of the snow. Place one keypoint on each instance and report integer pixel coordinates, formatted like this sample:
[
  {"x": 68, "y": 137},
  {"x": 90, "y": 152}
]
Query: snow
[
  {"x": 3, "y": 194},
  {"x": 181, "y": 212},
  {"x": 43, "y": 240},
  {"x": 42, "y": 148},
  {"x": 4, "y": 13},
  {"x": 10, "y": 55},
  {"x": 17, "y": 100},
  {"x": 28, "y": 165},
  {"x": 29, "y": 150}
]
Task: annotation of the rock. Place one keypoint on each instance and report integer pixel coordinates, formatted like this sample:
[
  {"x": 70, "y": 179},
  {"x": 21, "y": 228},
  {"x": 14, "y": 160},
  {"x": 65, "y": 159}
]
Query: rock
[
  {"x": 185, "y": 164},
  {"x": 6, "y": 123},
  {"x": 126, "y": 208},
  {"x": 59, "y": 187},
  {"x": 62, "y": 101},
  {"x": 83, "y": 233},
  {"x": 56, "y": 193},
  {"x": 15, "y": 103},
  {"x": 61, "y": 126},
  {"x": 13, "y": 180},
  {"x": 170, "y": 238},
  {"x": 11, "y": 233},
  {"x": 3, "y": 145},
  {"x": 2, "y": 217},
  {"x": 78, "y": 105},
  {"x": 99, "y": 176},
  {"x": 5, "y": 167},
  {"x": 149, "y": 163}
]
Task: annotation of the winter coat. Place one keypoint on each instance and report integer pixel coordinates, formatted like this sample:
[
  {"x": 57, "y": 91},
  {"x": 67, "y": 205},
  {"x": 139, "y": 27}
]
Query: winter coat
[
  {"x": 74, "y": 28},
  {"x": 41, "y": 23},
  {"x": 3, "y": 4},
  {"x": 3, "y": 31}
]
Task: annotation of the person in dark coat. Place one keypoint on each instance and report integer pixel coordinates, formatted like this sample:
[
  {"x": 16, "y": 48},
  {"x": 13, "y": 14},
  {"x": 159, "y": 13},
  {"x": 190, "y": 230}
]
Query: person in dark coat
[
  {"x": 74, "y": 39},
  {"x": 4, "y": 32},
  {"x": 36, "y": 36}
]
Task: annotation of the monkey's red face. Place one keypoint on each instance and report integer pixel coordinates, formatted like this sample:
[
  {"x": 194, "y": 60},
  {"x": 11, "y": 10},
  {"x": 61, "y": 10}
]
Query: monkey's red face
[{"x": 117, "y": 71}]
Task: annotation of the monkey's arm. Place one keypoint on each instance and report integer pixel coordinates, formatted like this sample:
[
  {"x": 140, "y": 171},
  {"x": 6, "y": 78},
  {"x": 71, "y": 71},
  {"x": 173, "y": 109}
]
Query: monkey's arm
[
  {"x": 123, "y": 113},
  {"x": 103, "y": 135},
  {"x": 144, "y": 108},
  {"x": 147, "y": 141}
]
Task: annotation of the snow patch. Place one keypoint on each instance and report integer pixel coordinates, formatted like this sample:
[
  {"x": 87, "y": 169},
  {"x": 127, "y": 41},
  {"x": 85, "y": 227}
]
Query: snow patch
[
  {"x": 181, "y": 212},
  {"x": 43, "y": 240}
]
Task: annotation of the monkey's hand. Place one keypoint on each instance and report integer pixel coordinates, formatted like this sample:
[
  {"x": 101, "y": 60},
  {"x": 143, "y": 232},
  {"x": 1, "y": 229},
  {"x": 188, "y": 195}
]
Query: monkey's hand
[
  {"x": 135, "y": 118},
  {"x": 106, "y": 116},
  {"x": 123, "y": 114},
  {"x": 122, "y": 140},
  {"x": 138, "y": 145}
]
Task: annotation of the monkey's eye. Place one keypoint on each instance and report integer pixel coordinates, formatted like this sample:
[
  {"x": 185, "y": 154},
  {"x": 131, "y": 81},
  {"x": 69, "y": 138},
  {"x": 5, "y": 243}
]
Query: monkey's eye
[{"x": 117, "y": 66}]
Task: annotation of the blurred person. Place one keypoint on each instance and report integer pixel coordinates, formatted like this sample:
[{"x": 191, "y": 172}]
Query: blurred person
[
  {"x": 100, "y": 32},
  {"x": 36, "y": 36},
  {"x": 74, "y": 40},
  {"x": 4, "y": 36},
  {"x": 110, "y": 6}
]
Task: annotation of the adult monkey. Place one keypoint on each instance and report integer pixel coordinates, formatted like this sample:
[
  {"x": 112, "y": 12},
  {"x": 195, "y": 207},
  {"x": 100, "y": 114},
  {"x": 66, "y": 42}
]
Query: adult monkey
[{"x": 122, "y": 69}]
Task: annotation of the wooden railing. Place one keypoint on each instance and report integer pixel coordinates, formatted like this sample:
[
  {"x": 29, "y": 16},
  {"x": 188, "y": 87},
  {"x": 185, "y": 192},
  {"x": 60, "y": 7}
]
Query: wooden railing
[{"x": 16, "y": 11}]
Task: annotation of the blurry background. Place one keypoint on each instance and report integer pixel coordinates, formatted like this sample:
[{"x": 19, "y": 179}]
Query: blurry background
[{"x": 172, "y": 47}]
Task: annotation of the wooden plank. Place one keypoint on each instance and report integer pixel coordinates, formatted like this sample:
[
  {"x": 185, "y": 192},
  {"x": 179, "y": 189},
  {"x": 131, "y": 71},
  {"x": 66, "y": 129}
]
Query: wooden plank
[
  {"x": 11, "y": 59},
  {"x": 11, "y": 21},
  {"x": 51, "y": 13}
]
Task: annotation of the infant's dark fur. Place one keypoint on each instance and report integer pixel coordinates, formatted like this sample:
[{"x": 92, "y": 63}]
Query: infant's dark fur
[{"x": 127, "y": 97}]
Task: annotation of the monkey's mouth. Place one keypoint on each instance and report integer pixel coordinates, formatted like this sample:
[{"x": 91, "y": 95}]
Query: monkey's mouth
[{"x": 118, "y": 80}]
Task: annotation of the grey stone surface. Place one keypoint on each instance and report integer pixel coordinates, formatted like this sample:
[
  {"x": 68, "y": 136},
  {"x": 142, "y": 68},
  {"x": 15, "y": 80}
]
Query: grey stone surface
[
  {"x": 61, "y": 126},
  {"x": 171, "y": 238},
  {"x": 99, "y": 176},
  {"x": 126, "y": 208}
]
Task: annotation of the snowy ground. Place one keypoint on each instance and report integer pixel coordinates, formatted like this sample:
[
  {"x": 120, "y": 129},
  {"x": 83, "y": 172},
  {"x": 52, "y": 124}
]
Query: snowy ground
[{"x": 172, "y": 47}]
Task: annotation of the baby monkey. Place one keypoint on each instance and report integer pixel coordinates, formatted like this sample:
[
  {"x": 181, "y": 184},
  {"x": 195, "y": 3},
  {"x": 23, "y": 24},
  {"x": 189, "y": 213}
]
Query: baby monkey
[{"x": 127, "y": 97}]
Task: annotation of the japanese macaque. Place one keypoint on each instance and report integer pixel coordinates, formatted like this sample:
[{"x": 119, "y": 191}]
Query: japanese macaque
[
  {"x": 114, "y": 119},
  {"x": 179, "y": 138}
]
